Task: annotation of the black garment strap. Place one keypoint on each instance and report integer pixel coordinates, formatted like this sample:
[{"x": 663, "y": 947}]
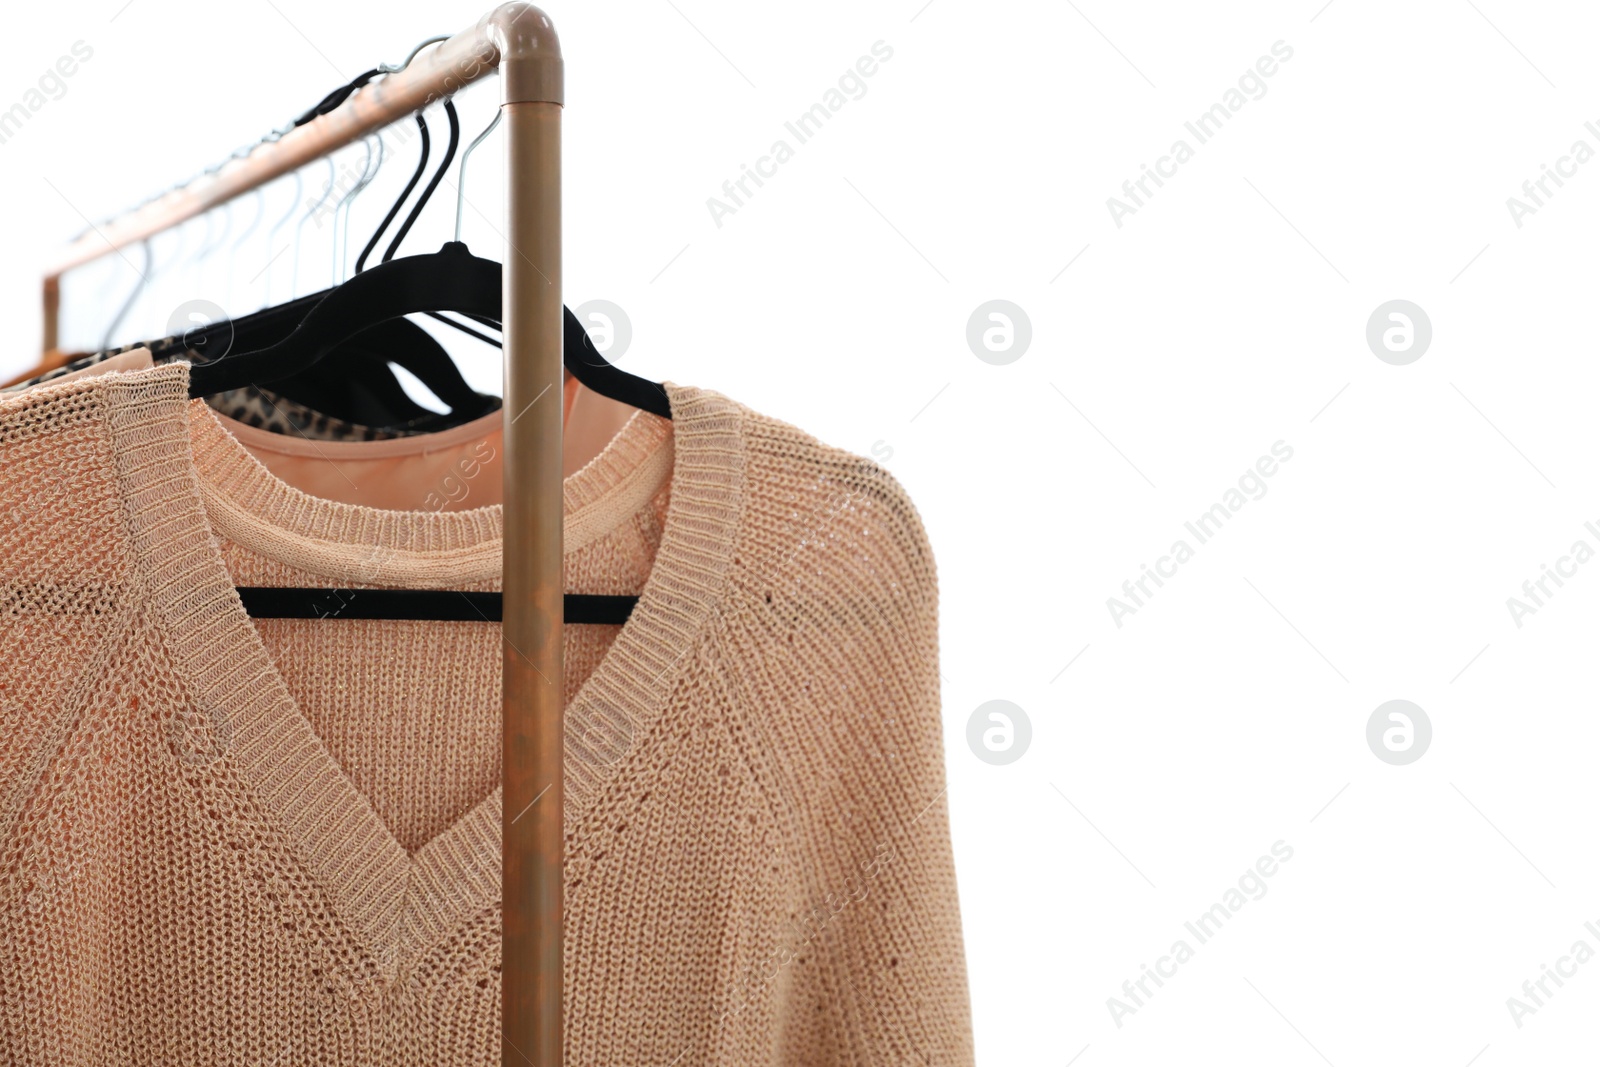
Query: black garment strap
[{"x": 432, "y": 605}]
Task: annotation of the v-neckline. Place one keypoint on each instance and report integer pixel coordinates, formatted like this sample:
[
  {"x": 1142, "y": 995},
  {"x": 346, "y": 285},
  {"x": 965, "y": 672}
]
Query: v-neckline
[{"x": 399, "y": 903}]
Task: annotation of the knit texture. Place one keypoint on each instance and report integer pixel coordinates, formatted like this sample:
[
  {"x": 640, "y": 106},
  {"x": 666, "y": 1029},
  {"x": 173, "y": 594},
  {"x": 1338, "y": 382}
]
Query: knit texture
[{"x": 277, "y": 843}]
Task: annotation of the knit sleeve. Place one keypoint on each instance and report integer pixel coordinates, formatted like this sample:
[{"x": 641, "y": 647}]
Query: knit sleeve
[
  {"x": 891, "y": 974},
  {"x": 62, "y": 571},
  {"x": 878, "y": 972}
]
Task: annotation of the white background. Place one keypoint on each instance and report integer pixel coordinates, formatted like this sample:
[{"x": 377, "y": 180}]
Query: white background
[{"x": 1227, "y": 314}]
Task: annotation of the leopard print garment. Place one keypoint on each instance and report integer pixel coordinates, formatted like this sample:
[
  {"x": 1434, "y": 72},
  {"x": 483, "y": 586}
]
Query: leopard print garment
[
  {"x": 266, "y": 410},
  {"x": 258, "y": 407}
]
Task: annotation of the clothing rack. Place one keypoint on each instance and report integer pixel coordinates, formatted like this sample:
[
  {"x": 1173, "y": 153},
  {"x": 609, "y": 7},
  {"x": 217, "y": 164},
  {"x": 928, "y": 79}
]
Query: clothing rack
[{"x": 518, "y": 41}]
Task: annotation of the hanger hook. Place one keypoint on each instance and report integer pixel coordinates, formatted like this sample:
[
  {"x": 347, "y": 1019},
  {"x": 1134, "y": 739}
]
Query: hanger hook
[
  {"x": 133, "y": 297},
  {"x": 461, "y": 178},
  {"x": 338, "y": 211},
  {"x": 396, "y": 68},
  {"x": 261, "y": 209},
  {"x": 154, "y": 272},
  {"x": 300, "y": 226},
  {"x": 369, "y": 173},
  {"x": 227, "y": 228},
  {"x": 422, "y": 161},
  {"x": 433, "y": 183},
  {"x": 205, "y": 238},
  {"x": 238, "y": 243},
  {"x": 272, "y": 234},
  {"x": 207, "y": 244},
  {"x": 416, "y": 176}
]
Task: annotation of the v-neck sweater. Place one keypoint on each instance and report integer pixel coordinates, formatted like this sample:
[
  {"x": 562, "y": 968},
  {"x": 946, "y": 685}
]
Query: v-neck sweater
[{"x": 757, "y": 862}]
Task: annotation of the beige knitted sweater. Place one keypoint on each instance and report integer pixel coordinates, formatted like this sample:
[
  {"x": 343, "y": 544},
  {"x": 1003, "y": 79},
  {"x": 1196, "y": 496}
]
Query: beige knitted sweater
[{"x": 276, "y": 842}]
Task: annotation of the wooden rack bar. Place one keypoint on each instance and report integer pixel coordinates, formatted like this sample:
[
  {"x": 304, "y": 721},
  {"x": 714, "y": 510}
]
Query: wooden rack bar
[{"x": 519, "y": 41}]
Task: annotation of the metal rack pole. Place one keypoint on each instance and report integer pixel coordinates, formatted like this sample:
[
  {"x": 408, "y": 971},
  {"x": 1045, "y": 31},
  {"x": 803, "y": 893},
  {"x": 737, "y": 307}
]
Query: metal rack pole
[
  {"x": 519, "y": 41},
  {"x": 532, "y": 837}
]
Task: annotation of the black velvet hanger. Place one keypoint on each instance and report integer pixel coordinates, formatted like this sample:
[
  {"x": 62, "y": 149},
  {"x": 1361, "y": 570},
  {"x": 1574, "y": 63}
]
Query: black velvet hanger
[
  {"x": 452, "y": 279},
  {"x": 351, "y": 382},
  {"x": 356, "y": 384},
  {"x": 433, "y": 605},
  {"x": 354, "y": 381}
]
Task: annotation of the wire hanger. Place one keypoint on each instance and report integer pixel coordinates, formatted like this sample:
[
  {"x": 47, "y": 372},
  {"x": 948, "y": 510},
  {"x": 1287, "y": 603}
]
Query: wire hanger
[
  {"x": 272, "y": 234},
  {"x": 356, "y": 383},
  {"x": 133, "y": 297},
  {"x": 452, "y": 280},
  {"x": 369, "y": 171},
  {"x": 416, "y": 176}
]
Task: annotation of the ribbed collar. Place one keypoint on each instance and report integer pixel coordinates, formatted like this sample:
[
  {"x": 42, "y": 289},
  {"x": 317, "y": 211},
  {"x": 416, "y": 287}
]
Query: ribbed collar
[{"x": 354, "y": 545}]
